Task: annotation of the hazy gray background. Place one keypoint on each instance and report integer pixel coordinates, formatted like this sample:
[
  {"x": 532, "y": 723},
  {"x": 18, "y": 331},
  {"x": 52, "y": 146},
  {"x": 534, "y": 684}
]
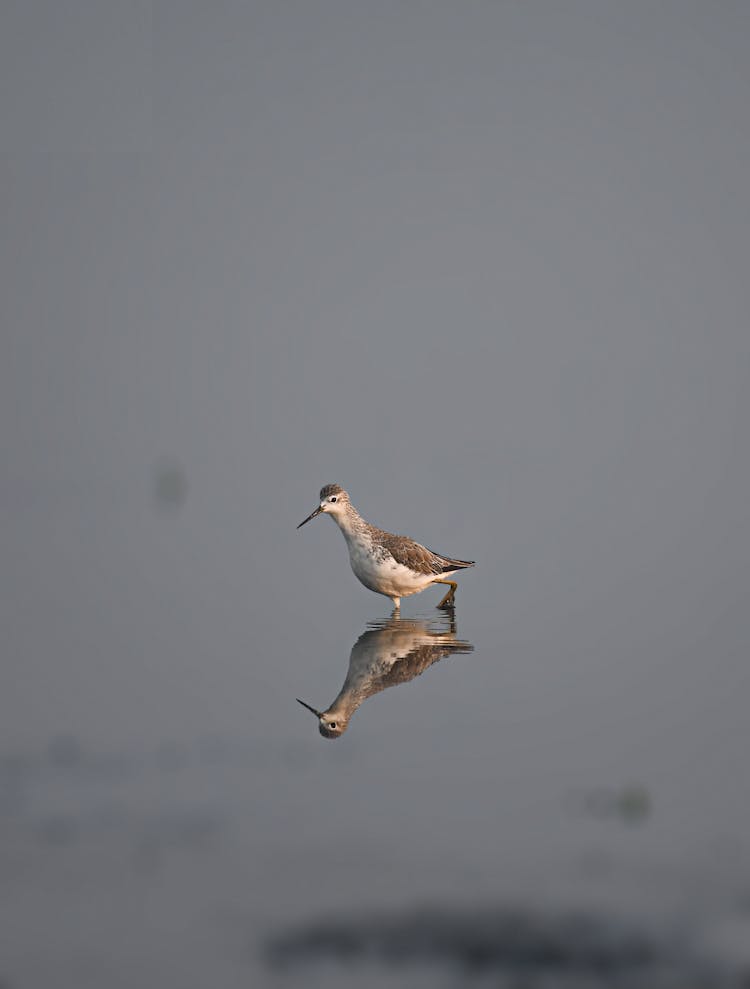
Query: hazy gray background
[{"x": 484, "y": 264}]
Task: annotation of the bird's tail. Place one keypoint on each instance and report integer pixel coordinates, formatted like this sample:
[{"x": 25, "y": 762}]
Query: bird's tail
[{"x": 451, "y": 564}]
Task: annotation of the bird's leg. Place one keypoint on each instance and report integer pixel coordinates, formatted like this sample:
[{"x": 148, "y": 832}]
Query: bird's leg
[{"x": 449, "y": 600}]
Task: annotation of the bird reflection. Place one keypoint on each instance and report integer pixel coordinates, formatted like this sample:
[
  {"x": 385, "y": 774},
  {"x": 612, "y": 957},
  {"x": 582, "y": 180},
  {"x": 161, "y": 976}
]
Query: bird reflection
[{"x": 388, "y": 653}]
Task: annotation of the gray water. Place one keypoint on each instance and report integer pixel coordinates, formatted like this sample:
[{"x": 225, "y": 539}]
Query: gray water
[{"x": 485, "y": 265}]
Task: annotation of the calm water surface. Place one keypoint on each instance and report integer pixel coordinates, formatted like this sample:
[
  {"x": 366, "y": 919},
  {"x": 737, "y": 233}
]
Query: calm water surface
[
  {"x": 484, "y": 265},
  {"x": 501, "y": 788}
]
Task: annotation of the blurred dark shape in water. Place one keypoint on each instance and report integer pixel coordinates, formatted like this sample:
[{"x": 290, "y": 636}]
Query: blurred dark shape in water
[
  {"x": 170, "y": 485},
  {"x": 516, "y": 945},
  {"x": 388, "y": 653},
  {"x": 631, "y": 804}
]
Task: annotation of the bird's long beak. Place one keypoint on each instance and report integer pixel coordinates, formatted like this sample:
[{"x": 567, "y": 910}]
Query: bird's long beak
[
  {"x": 317, "y": 511},
  {"x": 318, "y": 714}
]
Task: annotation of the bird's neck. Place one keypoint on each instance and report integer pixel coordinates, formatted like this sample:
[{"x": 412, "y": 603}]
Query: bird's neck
[
  {"x": 351, "y": 522},
  {"x": 343, "y": 707}
]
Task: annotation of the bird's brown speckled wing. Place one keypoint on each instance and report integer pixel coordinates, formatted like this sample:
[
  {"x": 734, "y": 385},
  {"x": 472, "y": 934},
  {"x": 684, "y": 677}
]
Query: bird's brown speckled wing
[
  {"x": 417, "y": 557},
  {"x": 420, "y": 658}
]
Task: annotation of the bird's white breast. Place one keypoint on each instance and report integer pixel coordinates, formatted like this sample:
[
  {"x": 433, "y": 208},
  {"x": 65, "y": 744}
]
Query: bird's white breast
[{"x": 379, "y": 572}]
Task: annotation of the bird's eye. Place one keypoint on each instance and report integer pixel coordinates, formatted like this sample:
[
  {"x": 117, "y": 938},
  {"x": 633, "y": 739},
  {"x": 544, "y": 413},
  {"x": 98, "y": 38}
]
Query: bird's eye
[
  {"x": 333, "y": 498},
  {"x": 332, "y": 724}
]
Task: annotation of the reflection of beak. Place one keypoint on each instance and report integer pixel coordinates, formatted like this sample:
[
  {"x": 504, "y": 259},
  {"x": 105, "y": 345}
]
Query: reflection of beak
[
  {"x": 317, "y": 511},
  {"x": 317, "y": 714}
]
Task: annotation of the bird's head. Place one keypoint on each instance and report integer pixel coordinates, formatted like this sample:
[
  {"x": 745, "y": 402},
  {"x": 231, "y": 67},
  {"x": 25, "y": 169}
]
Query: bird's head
[
  {"x": 330, "y": 725},
  {"x": 333, "y": 501}
]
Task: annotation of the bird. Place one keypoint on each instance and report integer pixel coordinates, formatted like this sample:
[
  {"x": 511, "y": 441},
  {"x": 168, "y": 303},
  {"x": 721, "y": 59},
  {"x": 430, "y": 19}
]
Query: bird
[
  {"x": 387, "y": 653},
  {"x": 394, "y": 566}
]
